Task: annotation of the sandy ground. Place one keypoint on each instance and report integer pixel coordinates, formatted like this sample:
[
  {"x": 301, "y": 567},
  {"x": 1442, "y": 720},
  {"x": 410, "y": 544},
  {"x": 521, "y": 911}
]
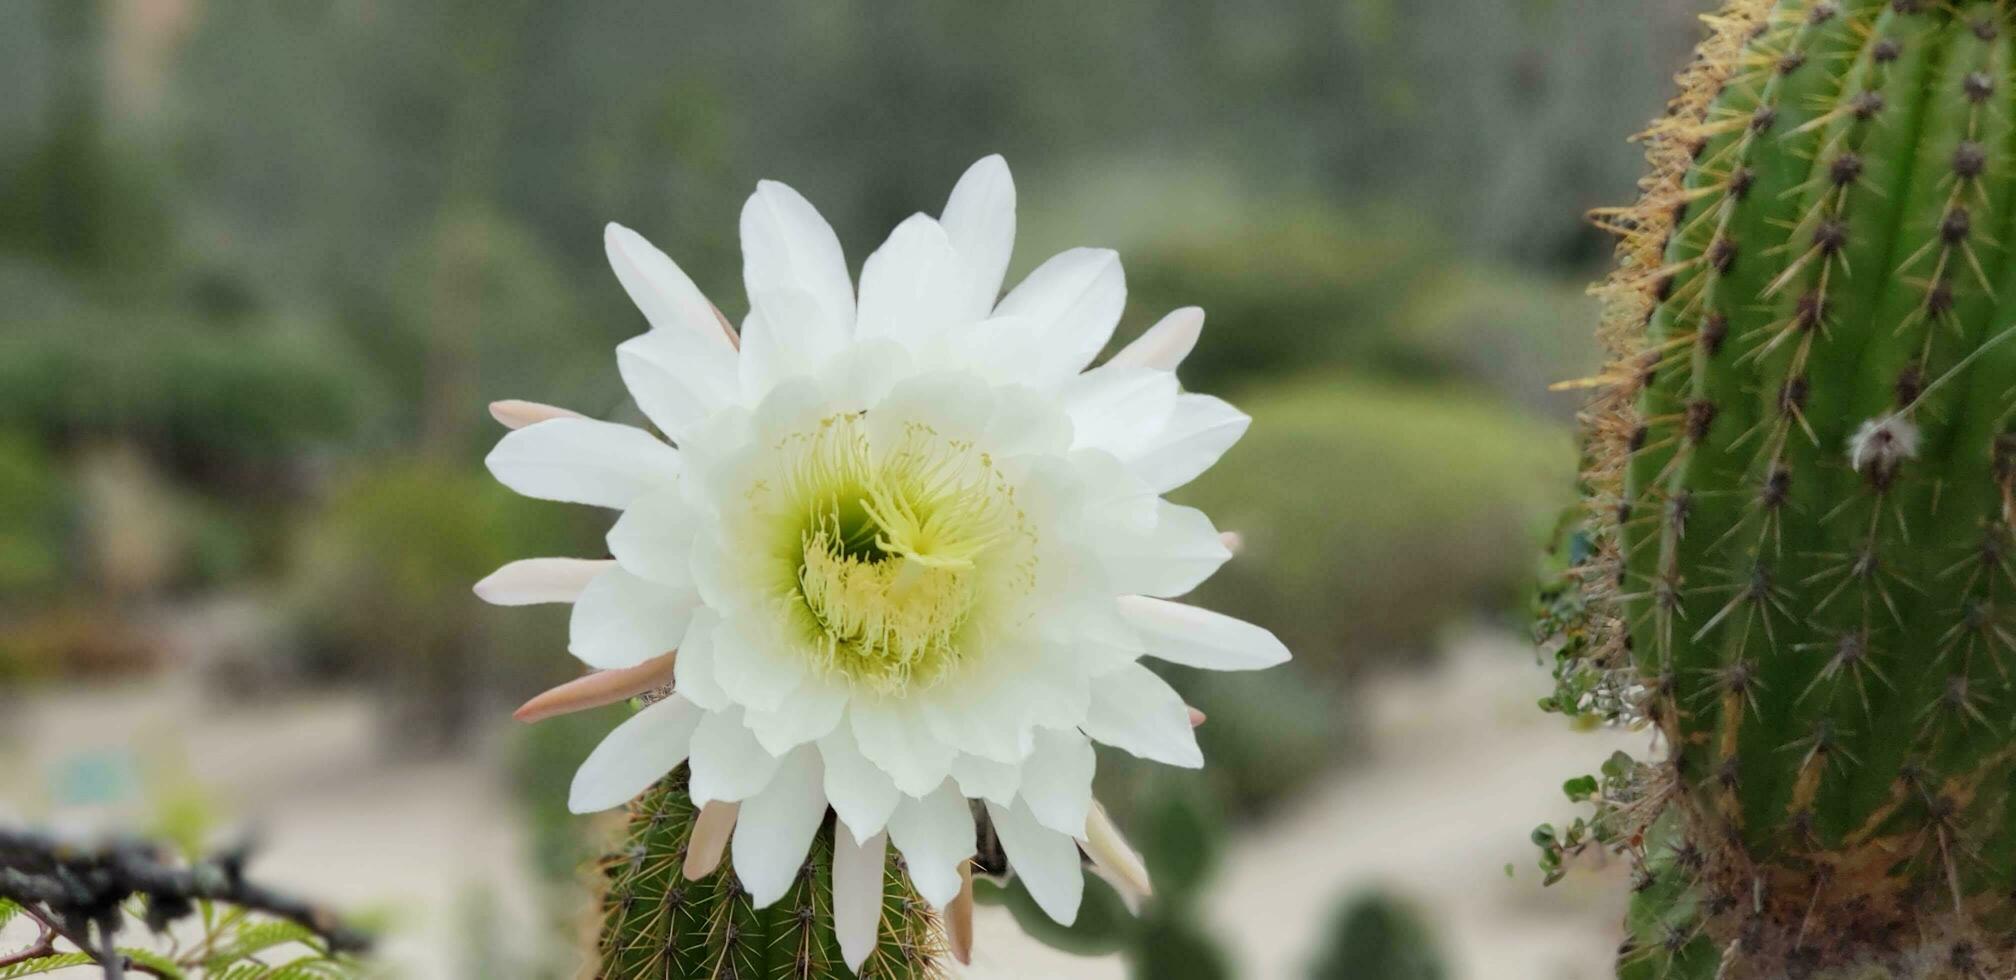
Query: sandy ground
[{"x": 1461, "y": 769}]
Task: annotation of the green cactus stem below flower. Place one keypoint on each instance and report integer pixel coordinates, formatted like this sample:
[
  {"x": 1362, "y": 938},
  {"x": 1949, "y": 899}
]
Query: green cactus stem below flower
[
  {"x": 657, "y": 924},
  {"x": 1801, "y": 465}
]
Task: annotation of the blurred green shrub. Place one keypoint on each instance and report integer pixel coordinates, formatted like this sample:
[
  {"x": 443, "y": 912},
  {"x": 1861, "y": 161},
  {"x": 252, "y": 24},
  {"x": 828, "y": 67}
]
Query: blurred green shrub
[
  {"x": 32, "y": 522},
  {"x": 1373, "y": 514},
  {"x": 384, "y": 591},
  {"x": 202, "y": 395},
  {"x": 1378, "y": 937},
  {"x": 1289, "y": 287}
]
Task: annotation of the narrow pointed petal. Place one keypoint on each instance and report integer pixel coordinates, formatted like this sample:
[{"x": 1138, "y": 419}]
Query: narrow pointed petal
[
  {"x": 936, "y": 835},
  {"x": 959, "y": 918},
  {"x": 1138, "y": 712},
  {"x": 661, "y": 290},
  {"x": 1233, "y": 541},
  {"x": 1197, "y": 637},
  {"x": 711, "y": 831},
  {"x": 1045, "y": 860},
  {"x": 1197, "y": 433},
  {"x": 679, "y": 377},
  {"x": 654, "y": 539},
  {"x": 1074, "y": 301},
  {"x": 788, "y": 247},
  {"x": 600, "y": 688},
  {"x": 1057, "y": 780},
  {"x": 979, "y": 218},
  {"x": 857, "y": 895},
  {"x": 634, "y": 755},
  {"x": 776, "y": 827},
  {"x": 514, "y": 414},
  {"x": 583, "y": 461},
  {"x": 912, "y": 287},
  {"x": 1172, "y": 557},
  {"x": 1164, "y": 345},
  {"x": 728, "y": 763},
  {"x": 1111, "y": 854},
  {"x": 622, "y": 620},
  {"x": 535, "y": 580},
  {"x": 861, "y": 793}
]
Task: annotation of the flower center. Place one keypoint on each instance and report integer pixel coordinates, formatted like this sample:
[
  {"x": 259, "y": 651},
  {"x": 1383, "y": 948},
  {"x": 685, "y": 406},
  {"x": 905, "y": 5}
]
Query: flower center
[{"x": 902, "y": 551}]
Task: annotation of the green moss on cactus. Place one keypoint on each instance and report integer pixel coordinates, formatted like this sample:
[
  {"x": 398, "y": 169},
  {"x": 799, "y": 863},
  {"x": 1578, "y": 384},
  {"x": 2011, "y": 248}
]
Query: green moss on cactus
[
  {"x": 656, "y": 924},
  {"x": 1803, "y": 466}
]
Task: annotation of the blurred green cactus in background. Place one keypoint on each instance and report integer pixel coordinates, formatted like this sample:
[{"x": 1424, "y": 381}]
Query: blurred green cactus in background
[{"x": 1800, "y": 469}]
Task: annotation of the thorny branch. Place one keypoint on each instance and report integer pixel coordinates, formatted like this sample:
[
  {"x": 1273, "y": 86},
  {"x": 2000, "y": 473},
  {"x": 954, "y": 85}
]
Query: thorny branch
[{"x": 73, "y": 891}]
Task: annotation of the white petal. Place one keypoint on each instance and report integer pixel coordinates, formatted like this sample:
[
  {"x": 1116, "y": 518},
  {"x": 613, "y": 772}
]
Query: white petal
[
  {"x": 679, "y": 377},
  {"x": 621, "y": 620},
  {"x": 807, "y": 713},
  {"x": 861, "y": 793},
  {"x": 895, "y": 738},
  {"x": 776, "y": 827},
  {"x": 1119, "y": 409},
  {"x": 664, "y": 293},
  {"x": 654, "y": 539},
  {"x": 1199, "y": 637},
  {"x": 752, "y": 665},
  {"x": 912, "y": 287},
  {"x": 1115, "y": 859},
  {"x": 536, "y": 580},
  {"x": 1045, "y": 860},
  {"x": 979, "y": 218},
  {"x": 693, "y": 671},
  {"x": 986, "y": 779},
  {"x": 728, "y": 763},
  {"x": 777, "y": 345},
  {"x": 634, "y": 755},
  {"x": 935, "y": 834},
  {"x": 1164, "y": 345},
  {"x": 788, "y": 247},
  {"x": 1196, "y": 434},
  {"x": 1134, "y": 710},
  {"x": 1179, "y": 552},
  {"x": 1075, "y": 301},
  {"x": 583, "y": 461},
  {"x": 857, "y": 895},
  {"x": 1057, "y": 780}
]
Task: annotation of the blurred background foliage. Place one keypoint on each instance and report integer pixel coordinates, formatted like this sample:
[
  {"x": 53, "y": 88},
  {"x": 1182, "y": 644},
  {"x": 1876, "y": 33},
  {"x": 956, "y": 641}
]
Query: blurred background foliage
[{"x": 263, "y": 264}]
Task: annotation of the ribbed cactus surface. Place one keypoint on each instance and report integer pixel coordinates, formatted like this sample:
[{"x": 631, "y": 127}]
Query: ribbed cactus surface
[
  {"x": 1801, "y": 465},
  {"x": 657, "y": 924}
]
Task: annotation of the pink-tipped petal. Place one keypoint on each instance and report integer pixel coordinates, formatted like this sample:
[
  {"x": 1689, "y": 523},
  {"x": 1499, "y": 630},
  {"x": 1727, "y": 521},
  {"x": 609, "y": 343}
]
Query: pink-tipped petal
[
  {"x": 959, "y": 918},
  {"x": 599, "y": 688},
  {"x": 711, "y": 833},
  {"x": 1165, "y": 344},
  {"x": 734, "y": 339},
  {"x": 514, "y": 414},
  {"x": 1196, "y": 718},
  {"x": 1232, "y": 541}
]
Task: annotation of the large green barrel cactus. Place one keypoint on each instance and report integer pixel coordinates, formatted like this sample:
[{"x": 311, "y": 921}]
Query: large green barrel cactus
[
  {"x": 1801, "y": 569},
  {"x": 658, "y": 924}
]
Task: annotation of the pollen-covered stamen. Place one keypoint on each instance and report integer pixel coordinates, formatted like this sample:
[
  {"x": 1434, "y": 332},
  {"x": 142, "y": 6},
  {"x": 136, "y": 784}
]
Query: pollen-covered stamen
[{"x": 902, "y": 547}]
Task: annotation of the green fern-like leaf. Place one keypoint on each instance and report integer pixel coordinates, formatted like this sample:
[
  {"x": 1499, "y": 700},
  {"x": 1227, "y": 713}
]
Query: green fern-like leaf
[
  {"x": 258, "y": 938},
  {"x": 45, "y": 965}
]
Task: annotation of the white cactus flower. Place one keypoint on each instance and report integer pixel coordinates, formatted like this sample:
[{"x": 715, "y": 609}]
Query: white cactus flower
[{"x": 909, "y": 550}]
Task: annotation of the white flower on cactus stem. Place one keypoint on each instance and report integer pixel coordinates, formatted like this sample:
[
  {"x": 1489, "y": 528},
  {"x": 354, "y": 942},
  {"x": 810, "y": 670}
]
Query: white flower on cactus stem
[{"x": 909, "y": 550}]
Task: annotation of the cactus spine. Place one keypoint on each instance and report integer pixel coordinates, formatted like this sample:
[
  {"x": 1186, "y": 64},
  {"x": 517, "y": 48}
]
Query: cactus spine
[
  {"x": 1800, "y": 470},
  {"x": 656, "y": 924}
]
